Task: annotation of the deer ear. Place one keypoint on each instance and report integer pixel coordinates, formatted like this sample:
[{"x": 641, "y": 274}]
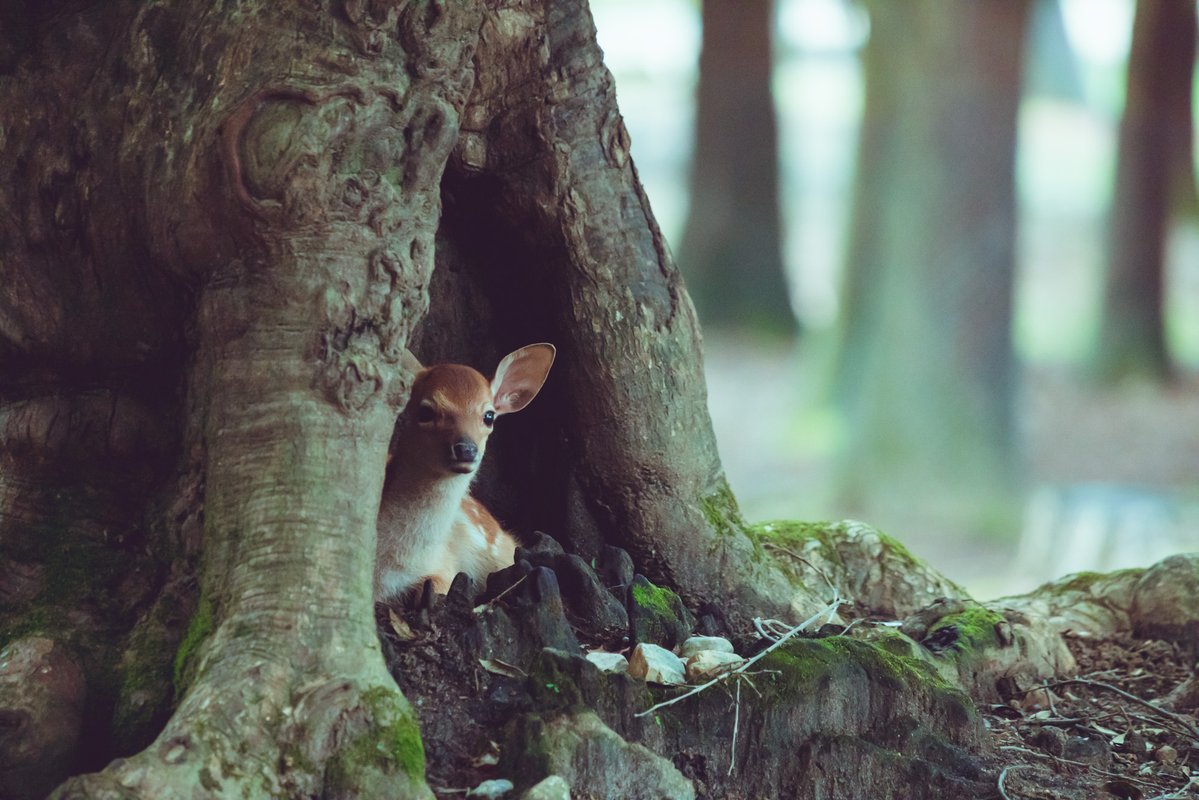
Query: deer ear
[{"x": 519, "y": 377}]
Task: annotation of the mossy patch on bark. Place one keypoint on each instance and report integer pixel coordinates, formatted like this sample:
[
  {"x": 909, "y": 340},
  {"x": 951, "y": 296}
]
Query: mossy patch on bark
[
  {"x": 198, "y": 630},
  {"x": 975, "y": 628},
  {"x": 802, "y": 665}
]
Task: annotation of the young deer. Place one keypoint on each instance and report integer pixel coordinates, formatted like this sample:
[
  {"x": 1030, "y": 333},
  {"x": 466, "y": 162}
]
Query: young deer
[{"x": 429, "y": 525}]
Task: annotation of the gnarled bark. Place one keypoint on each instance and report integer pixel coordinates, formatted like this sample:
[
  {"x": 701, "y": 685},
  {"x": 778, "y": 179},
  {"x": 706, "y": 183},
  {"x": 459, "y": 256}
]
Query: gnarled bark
[{"x": 217, "y": 242}]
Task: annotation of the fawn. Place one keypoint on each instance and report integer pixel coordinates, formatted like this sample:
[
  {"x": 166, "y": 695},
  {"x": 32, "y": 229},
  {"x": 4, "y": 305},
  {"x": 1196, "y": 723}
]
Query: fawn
[{"x": 429, "y": 525}]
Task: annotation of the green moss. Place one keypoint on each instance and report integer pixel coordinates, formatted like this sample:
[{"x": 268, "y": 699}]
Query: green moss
[
  {"x": 38, "y": 619},
  {"x": 1085, "y": 581},
  {"x": 198, "y": 630},
  {"x": 975, "y": 628},
  {"x": 897, "y": 547},
  {"x": 392, "y": 746},
  {"x": 799, "y": 536},
  {"x": 657, "y": 615},
  {"x": 655, "y": 598},
  {"x": 721, "y": 511},
  {"x": 804, "y": 665}
]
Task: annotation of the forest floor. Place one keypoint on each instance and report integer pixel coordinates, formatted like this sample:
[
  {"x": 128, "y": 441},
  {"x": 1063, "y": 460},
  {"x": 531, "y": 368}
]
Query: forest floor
[{"x": 1105, "y": 733}]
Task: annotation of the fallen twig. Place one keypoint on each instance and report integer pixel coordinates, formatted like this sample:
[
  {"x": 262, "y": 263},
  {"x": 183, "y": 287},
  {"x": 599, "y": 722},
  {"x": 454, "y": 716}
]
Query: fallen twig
[
  {"x": 828, "y": 610},
  {"x": 1003, "y": 776},
  {"x": 496, "y": 599},
  {"x": 1184, "y": 726},
  {"x": 1177, "y": 794},
  {"x": 736, "y": 725}
]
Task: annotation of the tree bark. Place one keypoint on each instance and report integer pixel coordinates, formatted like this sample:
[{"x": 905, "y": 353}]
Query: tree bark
[
  {"x": 731, "y": 250},
  {"x": 280, "y": 195},
  {"x": 1154, "y": 179},
  {"x": 926, "y": 373},
  {"x": 216, "y": 243}
]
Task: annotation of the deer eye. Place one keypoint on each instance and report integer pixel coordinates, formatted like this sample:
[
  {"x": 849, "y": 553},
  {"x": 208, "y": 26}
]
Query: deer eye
[
  {"x": 488, "y": 418},
  {"x": 425, "y": 414}
]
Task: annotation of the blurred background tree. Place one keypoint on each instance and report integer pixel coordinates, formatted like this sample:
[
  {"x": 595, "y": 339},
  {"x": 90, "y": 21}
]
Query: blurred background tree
[
  {"x": 925, "y": 369},
  {"x": 946, "y": 229},
  {"x": 1154, "y": 180},
  {"x": 731, "y": 250}
]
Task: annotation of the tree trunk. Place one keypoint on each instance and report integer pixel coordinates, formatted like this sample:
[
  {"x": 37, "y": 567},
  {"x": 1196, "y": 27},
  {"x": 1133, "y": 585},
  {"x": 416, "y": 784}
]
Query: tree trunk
[
  {"x": 219, "y": 236},
  {"x": 1154, "y": 177},
  {"x": 926, "y": 364},
  {"x": 731, "y": 250}
]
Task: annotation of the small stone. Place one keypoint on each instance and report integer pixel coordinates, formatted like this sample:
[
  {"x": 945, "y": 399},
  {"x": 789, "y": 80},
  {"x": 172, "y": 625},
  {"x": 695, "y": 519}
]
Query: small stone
[
  {"x": 492, "y": 790},
  {"x": 654, "y": 664},
  {"x": 698, "y": 644},
  {"x": 1088, "y": 751},
  {"x": 706, "y": 665},
  {"x": 1050, "y": 739},
  {"x": 552, "y": 788},
  {"x": 1165, "y": 755},
  {"x": 609, "y": 662}
]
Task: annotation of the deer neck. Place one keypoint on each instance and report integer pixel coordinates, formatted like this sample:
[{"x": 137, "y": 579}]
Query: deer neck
[{"x": 418, "y": 509}]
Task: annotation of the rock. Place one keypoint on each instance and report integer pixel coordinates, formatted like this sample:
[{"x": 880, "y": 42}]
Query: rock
[
  {"x": 654, "y": 664},
  {"x": 548, "y": 620},
  {"x": 656, "y": 614},
  {"x": 491, "y": 790},
  {"x": 1089, "y": 751},
  {"x": 697, "y": 644},
  {"x": 540, "y": 551},
  {"x": 596, "y": 610},
  {"x": 615, "y": 567},
  {"x": 1050, "y": 739},
  {"x": 592, "y": 759},
  {"x": 42, "y": 694},
  {"x": 503, "y": 580},
  {"x": 609, "y": 662},
  {"x": 1165, "y": 755},
  {"x": 1163, "y": 604},
  {"x": 561, "y": 682},
  {"x": 707, "y": 664},
  {"x": 1185, "y": 696},
  {"x": 552, "y": 788}
]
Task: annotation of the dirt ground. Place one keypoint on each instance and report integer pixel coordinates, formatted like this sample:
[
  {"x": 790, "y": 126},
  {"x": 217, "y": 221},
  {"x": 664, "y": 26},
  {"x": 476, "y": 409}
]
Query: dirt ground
[{"x": 1105, "y": 734}]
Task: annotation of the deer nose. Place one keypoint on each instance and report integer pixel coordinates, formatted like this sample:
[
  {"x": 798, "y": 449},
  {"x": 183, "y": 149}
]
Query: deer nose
[{"x": 465, "y": 451}]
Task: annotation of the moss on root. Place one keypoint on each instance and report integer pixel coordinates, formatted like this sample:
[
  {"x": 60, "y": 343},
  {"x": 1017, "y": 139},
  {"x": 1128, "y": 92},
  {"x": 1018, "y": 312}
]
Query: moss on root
[
  {"x": 799, "y": 537},
  {"x": 389, "y": 754},
  {"x": 655, "y": 598},
  {"x": 825, "y": 537},
  {"x": 199, "y": 629},
  {"x": 975, "y": 628},
  {"x": 1085, "y": 581},
  {"x": 804, "y": 664},
  {"x": 721, "y": 511}
]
